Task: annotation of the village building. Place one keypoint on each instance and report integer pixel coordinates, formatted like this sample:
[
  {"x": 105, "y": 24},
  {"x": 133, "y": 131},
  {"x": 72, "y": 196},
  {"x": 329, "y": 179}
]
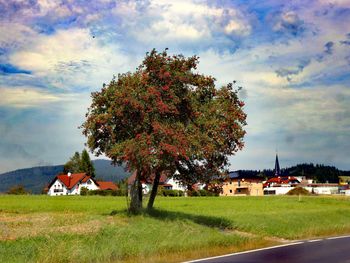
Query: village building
[
  {"x": 279, "y": 185},
  {"x": 323, "y": 189},
  {"x": 238, "y": 184},
  {"x": 345, "y": 191},
  {"x": 166, "y": 182},
  {"x": 71, "y": 184}
]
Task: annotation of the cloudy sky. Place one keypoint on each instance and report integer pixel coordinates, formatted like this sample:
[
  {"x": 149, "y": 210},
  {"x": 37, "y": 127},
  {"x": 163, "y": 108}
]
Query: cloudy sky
[{"x": 291, "y": 57}]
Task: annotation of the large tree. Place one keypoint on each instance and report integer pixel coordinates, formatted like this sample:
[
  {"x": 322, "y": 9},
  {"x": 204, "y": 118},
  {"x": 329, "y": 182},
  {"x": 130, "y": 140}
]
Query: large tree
[{"x": 166, "y": 117}]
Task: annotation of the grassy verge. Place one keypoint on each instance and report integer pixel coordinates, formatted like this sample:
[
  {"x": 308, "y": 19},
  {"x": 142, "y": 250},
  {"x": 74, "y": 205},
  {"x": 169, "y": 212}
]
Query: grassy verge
[{"x": 81, "y": 229}]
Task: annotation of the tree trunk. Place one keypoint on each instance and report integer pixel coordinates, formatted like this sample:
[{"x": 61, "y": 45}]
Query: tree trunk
[
  {"x": 136, "y": 195},
  {"x": 154, "y": 191}
]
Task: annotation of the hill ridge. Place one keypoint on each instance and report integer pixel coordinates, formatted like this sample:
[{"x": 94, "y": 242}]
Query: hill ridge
[{"x": 34, "y": 179}]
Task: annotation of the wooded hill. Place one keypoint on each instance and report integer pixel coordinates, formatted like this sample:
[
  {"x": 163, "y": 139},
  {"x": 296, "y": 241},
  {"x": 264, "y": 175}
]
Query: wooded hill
[{"x": 36, "y": 178}]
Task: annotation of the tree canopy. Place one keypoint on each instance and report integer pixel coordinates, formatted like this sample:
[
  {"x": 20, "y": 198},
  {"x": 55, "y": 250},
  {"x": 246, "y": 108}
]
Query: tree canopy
[{"x": 166, "y": 117}]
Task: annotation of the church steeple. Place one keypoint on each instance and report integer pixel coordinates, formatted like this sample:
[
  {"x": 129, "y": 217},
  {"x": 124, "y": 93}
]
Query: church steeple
[{"x": 277, "y": 171}]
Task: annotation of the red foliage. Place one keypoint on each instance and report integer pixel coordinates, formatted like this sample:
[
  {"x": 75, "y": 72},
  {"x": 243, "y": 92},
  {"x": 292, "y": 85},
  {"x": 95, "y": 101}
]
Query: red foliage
[{"x": 164, "y": 115}]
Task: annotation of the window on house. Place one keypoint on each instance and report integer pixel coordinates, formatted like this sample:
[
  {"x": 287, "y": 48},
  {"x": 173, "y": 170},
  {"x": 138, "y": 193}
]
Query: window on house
[
  {"x": 238, "y": 190},
  {"x": 89, "y": 182},
  {"x": 230, "y": 191}
]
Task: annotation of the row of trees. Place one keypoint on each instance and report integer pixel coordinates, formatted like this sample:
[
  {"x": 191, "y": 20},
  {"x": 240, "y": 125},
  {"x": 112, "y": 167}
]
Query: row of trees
[{"x": 166, "y": 117}]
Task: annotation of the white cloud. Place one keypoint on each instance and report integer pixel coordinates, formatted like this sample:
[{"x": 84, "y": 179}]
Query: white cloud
[
  {"x": 27, "y": 97},
  {"x": 164, "y": 21},
  {"x": 71, "y": 59}
]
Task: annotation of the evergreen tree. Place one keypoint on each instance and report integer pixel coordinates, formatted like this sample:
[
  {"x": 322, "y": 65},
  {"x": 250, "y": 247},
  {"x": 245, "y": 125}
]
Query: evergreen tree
[
  {"x": 80, "y": 164},
  {"x": 86, "y": 164},
  {"x": 73, "y": 165}
]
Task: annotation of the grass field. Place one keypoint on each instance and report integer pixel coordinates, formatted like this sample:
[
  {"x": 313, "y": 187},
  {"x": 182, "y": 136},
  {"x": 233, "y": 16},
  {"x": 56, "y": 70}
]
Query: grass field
[{"x": 82, "y": 229}]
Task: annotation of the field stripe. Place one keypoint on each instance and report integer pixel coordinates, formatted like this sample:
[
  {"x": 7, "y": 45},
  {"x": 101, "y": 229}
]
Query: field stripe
[
  {"x": 246, "y": 252},
  {"x": 315, "y": 240},
  {"x": 330, "y": 238}
]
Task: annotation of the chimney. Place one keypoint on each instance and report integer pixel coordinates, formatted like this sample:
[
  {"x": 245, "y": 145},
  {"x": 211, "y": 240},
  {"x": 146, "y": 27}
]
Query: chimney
[{"x": 69, "y": 174}]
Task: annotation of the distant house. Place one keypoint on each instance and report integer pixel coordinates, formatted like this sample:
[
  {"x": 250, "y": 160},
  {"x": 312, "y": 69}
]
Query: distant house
[
  {"x": 323, "y": 189},
  {"x": 164, "y": 181},
  {"x": 281, "y": 181},
  {"x": 107, "y": 185},
  {"x": 71, "y": 184},
  {"x": 344, "y": 190},
  {"x": 280, "y": 185},
  {"x": 238, "y": 184}
]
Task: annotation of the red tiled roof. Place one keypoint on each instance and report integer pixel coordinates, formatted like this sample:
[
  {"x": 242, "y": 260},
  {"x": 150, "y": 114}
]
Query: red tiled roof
[
  {"x": 282, "y": 180},
  {"x": 73, "y": 179},
  {"x": 85, "y": 179},
  {"x": 107, "y": 185}
]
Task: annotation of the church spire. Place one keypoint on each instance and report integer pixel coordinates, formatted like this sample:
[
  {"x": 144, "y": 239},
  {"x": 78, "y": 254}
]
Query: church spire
[{"x": 277, "y": 171}]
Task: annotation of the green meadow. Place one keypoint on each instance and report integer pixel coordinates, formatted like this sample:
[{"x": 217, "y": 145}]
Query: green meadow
[{"x": 98, "y": 229}]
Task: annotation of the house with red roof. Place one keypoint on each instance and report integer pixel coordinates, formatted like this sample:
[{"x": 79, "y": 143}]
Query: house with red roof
[
  {"x": 280, "y": 185},
  {"x": 71, "y": 184}
]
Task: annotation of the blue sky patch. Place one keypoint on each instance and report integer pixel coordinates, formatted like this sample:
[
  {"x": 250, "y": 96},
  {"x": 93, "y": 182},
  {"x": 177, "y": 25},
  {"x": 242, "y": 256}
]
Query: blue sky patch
[{"x": 11, "y": 69}]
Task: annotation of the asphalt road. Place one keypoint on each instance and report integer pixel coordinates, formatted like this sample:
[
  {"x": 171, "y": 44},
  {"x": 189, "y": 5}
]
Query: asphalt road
[{"x": 329, "y": 250}]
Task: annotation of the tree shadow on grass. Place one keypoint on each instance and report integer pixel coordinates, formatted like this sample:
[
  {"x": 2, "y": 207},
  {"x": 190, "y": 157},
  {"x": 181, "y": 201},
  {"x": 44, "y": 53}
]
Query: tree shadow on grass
[{"x": 209, "y": 221}]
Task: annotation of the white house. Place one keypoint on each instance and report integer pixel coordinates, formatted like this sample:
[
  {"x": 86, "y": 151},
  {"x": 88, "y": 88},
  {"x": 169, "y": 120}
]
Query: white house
[
  {"x": 175, "y": 184},
  {"x": 323, "y": 189},
  {"x": 280, "y": 185},
  {"x": 164, "y": 181},
  {"x": 71, "y": 184},
  {"x": 277, "y": 190}
]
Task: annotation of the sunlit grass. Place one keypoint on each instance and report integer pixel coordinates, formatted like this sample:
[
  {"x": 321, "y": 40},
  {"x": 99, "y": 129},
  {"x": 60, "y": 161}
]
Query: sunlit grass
[{"x": 82, "y": 229}]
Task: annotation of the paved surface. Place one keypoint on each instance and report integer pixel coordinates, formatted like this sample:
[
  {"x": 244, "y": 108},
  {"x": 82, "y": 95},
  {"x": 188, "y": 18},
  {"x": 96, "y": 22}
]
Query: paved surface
[{"x": 329, "y": 250}]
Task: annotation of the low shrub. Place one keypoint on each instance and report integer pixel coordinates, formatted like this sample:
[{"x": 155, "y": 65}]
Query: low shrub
[
  {"x": 85, "y": 191},
  {"x": 298, "y": 191},
  {"x": 17, "y": 190},
  {"x": 192, "y": 193},
  {"x": 201, "y": 192},
  {"x": 166, "y": 192}
]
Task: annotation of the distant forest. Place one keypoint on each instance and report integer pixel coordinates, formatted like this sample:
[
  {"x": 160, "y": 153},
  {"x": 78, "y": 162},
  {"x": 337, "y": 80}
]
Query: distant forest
[{"x": 319, "y": 173}]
